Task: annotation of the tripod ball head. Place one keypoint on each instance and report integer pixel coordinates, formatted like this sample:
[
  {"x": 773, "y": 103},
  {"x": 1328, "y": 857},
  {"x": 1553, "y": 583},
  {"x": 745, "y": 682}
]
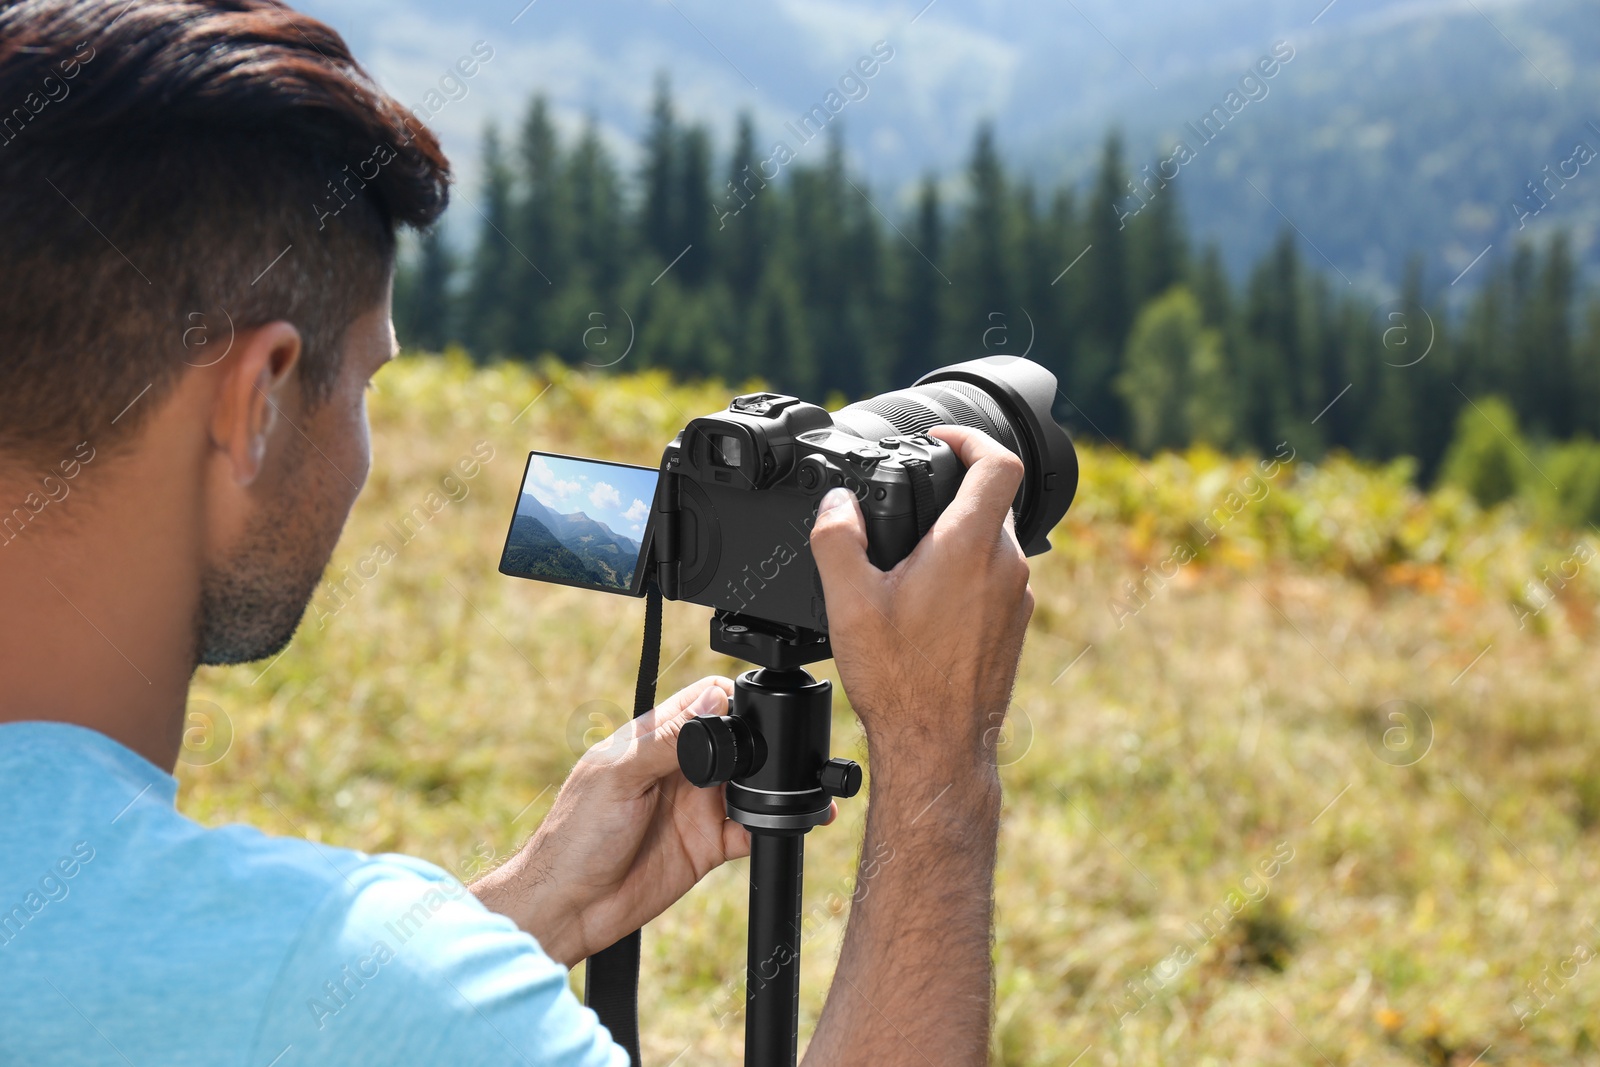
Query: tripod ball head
[{"x": 713, "y": 749}]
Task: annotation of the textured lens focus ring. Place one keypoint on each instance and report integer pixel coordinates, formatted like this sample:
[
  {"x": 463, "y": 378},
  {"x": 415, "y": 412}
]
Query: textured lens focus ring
[
  {"x": 971, "y": 406},
  {"x": 905, "y": 417},
  {"x": 922, "y": 407}
]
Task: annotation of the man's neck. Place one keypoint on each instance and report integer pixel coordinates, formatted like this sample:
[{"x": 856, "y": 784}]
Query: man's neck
[{"x": 99, "y": 600}]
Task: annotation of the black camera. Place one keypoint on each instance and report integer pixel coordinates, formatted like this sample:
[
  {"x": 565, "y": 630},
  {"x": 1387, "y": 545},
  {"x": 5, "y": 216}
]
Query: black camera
[{"x": 726, "y": 520}]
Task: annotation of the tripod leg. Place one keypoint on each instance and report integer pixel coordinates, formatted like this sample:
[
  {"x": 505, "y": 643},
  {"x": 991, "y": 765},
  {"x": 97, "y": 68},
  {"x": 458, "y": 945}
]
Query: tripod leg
[{"x": 772, "y": 974}]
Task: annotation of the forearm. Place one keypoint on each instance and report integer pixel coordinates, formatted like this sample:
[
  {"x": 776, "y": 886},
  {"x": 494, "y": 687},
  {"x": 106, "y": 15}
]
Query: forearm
[
  {"x": 526, "y": 893},
  {"x": 914, "y": 982}
]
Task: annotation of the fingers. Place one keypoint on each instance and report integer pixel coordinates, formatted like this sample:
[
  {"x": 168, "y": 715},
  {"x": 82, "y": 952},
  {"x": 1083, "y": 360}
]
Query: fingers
[
  {"x": 675, "y": 705},
  {"x": 993, "y": 475},
  {"x": 839, "y": 545},
  {"x": 653, "y": 751},
  {"x": 735, "y": 840}
]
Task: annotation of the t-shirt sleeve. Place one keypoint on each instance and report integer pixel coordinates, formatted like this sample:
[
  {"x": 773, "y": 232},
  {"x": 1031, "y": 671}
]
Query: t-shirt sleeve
[{"x": 402, "y": 965}]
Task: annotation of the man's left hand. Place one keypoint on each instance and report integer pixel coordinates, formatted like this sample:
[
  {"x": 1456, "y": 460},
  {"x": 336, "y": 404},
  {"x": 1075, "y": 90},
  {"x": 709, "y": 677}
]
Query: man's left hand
[{"x": 627, "y": 837}]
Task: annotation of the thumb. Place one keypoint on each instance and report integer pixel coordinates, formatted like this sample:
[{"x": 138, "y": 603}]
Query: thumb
[
  {"x": 839, "y": 545},
  {"x": 654, "y": 750}
]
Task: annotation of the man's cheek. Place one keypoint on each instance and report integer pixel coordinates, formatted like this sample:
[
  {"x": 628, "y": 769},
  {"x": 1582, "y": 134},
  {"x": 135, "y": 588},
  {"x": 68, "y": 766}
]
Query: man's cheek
[
  {"x": 354, "y": 434},
  {"x": 362, "y": 446},
  {"x": 342, "y": 438}
]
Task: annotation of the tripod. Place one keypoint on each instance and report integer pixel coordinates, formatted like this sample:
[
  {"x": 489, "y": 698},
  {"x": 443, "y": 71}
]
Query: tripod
[{"x": 772, "y": 751}]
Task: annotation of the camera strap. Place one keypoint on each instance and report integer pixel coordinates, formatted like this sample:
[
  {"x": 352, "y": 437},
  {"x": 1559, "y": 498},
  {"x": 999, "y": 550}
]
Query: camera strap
[
  {"x": 611, "y": 976},
  {"x": 923, "y": 503}
]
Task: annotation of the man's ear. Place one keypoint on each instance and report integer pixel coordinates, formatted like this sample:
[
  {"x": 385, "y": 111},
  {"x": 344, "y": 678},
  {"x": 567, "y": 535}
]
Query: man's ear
[{"x": 248, "y": 396}]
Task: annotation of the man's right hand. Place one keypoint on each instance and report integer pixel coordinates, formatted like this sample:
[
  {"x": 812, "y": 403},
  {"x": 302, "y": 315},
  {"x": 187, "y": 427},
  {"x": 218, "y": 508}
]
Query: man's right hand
[
  {"x": 928, "y": 654},
  {"x": 928, "y": 651}
]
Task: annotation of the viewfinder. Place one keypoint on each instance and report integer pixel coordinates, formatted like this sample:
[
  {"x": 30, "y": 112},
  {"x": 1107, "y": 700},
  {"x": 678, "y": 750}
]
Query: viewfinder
[{"x": 725, "y": 450}]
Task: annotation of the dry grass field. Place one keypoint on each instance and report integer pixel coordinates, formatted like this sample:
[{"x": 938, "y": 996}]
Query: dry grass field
[{"x": 1322, "y": 788}]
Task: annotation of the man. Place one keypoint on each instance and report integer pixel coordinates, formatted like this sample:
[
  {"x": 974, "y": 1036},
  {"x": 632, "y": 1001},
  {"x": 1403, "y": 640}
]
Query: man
[{"x": 161, "y": 159}]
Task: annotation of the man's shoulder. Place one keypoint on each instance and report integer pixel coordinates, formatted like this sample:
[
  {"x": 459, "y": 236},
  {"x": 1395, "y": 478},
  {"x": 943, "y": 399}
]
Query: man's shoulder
[
  {"x": 123, "y": 910},
  {"x": 74, "y": 799},
  {"x": 276, "y": 885},
  {"x": 170, "y": 870},
  {"x": 117, "y": 907},
  {"x": 292, "y": 873}
]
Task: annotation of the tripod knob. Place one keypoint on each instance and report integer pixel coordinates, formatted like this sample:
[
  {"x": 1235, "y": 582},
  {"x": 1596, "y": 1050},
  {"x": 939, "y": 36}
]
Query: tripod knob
[
  {"x": 713, "y": 749},
  {"x": 841, "y": 778}
]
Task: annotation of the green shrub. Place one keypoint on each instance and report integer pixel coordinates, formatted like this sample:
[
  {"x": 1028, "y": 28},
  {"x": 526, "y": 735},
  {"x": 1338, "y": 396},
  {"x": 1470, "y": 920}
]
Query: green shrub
[
  {"x": 1486, "y": 457},
  {"x": 1176, "y": 379},
  {"x": 1574, "y": 467}
]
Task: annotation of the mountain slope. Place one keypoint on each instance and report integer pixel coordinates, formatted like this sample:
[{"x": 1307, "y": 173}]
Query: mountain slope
[
  {"x": 611, "y": 554},
  {"x": 532, "y": 550},
  {"x": 1392, "y": 139},
  {"x": 1401, "y": 126},
  {"x": 589, "y": 550}
]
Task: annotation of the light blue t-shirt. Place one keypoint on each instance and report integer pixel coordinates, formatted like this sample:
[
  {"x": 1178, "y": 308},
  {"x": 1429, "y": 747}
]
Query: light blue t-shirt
[{"x": 131, "y": 935}]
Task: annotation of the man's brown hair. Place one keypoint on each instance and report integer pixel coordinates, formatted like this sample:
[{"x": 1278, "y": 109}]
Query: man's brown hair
[{"x": 172, "y": 171}]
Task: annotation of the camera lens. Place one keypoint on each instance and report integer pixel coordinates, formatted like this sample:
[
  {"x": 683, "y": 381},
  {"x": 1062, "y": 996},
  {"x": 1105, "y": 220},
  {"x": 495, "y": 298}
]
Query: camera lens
[{"x": 1009, "y": 399}]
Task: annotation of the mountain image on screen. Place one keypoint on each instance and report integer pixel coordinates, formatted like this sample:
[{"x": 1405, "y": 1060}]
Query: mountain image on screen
[{"x": 570, "y": 547}]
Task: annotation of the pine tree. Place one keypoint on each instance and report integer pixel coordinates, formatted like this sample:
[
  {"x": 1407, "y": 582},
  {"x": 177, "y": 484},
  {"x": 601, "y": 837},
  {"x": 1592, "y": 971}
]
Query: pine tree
[
  {"x": 1586, "y": 378},
  {"x": 775, "y": 343},
  {"x": 1311, "y": 387},
  {"x": 1429, "y": 369},
  {"x": 866, "y": 293},
  {"x": 987, "y": 317},
  {"x": 920, "y": 290},
  {"x": 658, "y": 223},
  {"x": 1208, "y": 280},
  {"x": 423, "y": 317},
  {"x": 1522, "y": 384},
  {"x": 1050, "y": 239},
  {"x": 539, "y": 235},
  {"x": 489, "y": 322},
  {"x": 599, "y": 225},
  {"x": 1108, "y": 311},
  {"x": 819, "y": 228},
  {"x": 1272, "y": 347},
  {"x": 693, "y": 208},
  {"x": 743, "y": 209},
  {"x": 1484, "y": 348},
  {"x": 1351, "y": 368},
  {"x": 1548, "y": 343},
  {"x": 686, "y": 330},
  {"x": 1158, "y": 251},
  {"x": 1210, "y": 285}
]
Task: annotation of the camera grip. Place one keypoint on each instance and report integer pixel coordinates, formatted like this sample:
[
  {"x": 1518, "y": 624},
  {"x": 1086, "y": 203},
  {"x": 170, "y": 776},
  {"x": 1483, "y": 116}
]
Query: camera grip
[
  {"x": 890, "y": 539},
  {"x": 908, "y": 498}
]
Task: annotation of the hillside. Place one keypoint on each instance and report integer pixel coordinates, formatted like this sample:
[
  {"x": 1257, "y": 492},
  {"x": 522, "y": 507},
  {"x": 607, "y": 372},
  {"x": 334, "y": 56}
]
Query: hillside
[
  {"x": 572, "y": 546},
  {"x": 1402, "y": 126},
  {"x": 1389, "y": 137},
  {"x": 1351, "y": 685},
  {"x": 531, "y": 549},
  {"x": 607, "y": 551}
]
